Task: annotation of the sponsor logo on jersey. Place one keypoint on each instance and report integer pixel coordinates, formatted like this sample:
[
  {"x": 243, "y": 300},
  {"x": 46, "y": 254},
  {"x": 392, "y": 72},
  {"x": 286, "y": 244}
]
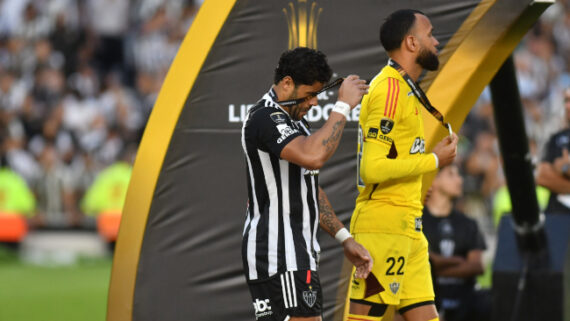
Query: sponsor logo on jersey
[
  {"x": 419, "y": 146},
  {"x": 285, "y": 131},
  {"x": 262, "y": 308},
  {"x": 394, "y": 287},
  {"x": 386, "y": 125},
  {"x": 310, "y": 297},
  {"x": 372, "y": 132},
  {"x": 386, "y": 138},
  {"x": 311, "y": 172},
  {"x": 278, "y": 117}
]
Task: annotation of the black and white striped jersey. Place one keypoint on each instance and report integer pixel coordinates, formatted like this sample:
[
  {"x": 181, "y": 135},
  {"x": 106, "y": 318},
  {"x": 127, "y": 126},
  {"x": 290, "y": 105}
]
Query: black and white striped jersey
[{"x": 280, "y": 232}]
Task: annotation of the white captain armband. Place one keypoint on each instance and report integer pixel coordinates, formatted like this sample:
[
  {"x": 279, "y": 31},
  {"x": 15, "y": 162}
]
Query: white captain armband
[
  {"x": 342, "y": 108},
  {"x": 342, "y": 235}
]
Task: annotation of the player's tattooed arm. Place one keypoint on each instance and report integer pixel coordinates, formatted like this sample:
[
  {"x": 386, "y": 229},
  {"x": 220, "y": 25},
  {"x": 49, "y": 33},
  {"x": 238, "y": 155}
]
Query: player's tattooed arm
[
  {"x": 353, "y": 250},
  {"x": 328, "y": 220},
  {"x": 331, "y": 142},
  {"x": 311, "y": 152}
]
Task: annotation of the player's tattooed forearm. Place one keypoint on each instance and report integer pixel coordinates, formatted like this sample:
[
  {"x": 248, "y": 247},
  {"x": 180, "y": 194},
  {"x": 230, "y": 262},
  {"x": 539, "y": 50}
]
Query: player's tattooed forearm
[
  {"x": 328, "y": 218},
  {"x": 331, "y": 142}
]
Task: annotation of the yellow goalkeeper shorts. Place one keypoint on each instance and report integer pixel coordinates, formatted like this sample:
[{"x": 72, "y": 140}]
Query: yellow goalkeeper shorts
[{"x": 401, "y": 265}]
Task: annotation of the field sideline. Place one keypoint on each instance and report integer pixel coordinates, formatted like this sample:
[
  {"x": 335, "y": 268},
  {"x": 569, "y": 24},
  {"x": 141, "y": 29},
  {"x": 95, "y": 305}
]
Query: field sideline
[{"x": 37, "y": 293}]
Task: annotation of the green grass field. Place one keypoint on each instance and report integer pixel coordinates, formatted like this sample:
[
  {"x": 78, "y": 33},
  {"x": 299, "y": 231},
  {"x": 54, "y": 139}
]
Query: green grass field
[{"x": 36, "y": 293}]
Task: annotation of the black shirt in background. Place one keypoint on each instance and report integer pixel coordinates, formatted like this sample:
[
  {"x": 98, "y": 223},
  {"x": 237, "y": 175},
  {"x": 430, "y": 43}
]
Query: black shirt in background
[
  {"x": 454, "y": 235},
  {"x": 553, "y": 150}
]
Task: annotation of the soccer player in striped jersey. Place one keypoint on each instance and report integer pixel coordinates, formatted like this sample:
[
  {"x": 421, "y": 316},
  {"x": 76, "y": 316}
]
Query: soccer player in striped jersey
[
  {"x": 392, "y": 161},
  {"x": 285, "y": 203}
]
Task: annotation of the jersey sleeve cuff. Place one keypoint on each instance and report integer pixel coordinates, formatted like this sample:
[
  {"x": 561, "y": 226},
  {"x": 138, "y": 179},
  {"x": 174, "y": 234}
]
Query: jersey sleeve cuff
[{"x": 436, "y": 160}]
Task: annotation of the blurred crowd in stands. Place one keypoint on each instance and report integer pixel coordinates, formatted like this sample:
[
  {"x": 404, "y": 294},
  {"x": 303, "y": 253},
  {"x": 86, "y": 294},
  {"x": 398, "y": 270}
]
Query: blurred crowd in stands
[
  {"x": 542, "y": 62},
  {"x": 78, "y": 80}
]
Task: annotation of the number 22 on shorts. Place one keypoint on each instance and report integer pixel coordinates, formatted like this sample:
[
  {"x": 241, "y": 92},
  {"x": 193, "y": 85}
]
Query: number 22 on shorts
[{"x": 395, "y": 263}]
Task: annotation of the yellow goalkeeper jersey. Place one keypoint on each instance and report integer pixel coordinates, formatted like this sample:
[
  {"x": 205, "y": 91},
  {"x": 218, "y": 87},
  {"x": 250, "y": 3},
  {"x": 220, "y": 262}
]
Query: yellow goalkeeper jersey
[{"x": 391, "y": 158}]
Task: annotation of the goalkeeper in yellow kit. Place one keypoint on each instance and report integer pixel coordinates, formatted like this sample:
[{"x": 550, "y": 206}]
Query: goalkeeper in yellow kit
[{"x": 392, "y": 161}]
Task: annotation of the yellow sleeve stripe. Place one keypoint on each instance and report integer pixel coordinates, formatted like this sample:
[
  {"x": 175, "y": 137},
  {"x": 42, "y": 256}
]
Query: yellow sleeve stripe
[{"x": 392, "y": 97}]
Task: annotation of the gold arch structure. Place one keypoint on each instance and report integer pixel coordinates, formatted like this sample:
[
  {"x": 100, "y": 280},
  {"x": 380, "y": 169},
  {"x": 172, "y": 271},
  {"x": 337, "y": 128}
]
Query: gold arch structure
[{"x": 150, "y": 156}]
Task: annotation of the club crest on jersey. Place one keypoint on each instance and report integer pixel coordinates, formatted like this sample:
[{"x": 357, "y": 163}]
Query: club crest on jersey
[
  {"x": 394, "y": 287},
  {"x": 386, "y": 125},
  {"x": 419, "y": 146},
  {"x": 310, "y": 297},
  {"x": 278, "y": 117}
]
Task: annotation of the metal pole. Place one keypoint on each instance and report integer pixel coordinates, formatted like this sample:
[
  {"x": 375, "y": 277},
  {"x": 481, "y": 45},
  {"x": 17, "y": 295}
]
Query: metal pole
[{"x": 513, "y": 144}]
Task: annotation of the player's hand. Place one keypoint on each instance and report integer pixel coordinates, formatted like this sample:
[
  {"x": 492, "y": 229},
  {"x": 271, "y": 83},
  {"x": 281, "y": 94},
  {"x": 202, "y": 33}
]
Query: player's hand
[
  {"x": 359, "y": 256},
  {"x": 352, "y": 90},
  {"x": 446, "y": 150}
]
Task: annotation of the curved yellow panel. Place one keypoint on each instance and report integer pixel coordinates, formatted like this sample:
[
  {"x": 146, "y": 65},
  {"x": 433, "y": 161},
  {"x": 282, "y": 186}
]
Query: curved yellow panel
[
  {"x": 171, "y": 99},
  {"x": 484, "y": 42}
]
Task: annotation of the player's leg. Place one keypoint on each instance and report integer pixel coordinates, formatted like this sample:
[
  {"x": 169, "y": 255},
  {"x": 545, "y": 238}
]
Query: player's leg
[
  {"x": 417, "y": 299},
  {"x": 425, "y": 311},
  {"x": 367, "y": 311},
  {"x": 398, "y": 317}
]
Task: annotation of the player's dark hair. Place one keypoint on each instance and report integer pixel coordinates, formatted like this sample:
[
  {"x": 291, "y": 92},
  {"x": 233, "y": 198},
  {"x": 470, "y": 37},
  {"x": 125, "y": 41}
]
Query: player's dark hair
[
  {"x": 396, "y": 26},
  {"x": 306, "y": 66}
]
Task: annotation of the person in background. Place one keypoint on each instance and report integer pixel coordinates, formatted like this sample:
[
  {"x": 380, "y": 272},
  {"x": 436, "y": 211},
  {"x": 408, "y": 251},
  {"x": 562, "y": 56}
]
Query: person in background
[
  {"x": 456, "y": 247},
  {"x": 17, "y": 205},
  {"x": 109, "y": 190},
  {"x": 15, "y": 195},
  {"x": 554, "y": 169},
  {"x": 54, "y": 190}
]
